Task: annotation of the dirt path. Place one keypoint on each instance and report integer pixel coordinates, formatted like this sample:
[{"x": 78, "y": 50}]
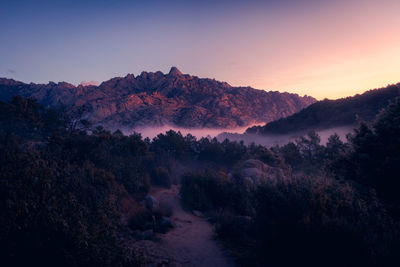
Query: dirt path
[{"x": 190, "y": 243}]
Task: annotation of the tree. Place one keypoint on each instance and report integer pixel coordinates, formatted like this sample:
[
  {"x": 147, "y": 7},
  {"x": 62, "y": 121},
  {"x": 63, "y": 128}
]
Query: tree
[{"x": 375, "y": 157}]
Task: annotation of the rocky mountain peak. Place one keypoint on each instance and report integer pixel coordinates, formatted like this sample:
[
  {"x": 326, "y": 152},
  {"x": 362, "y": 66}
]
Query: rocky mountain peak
[
  {"x": 65, "y": 85},
  {"x": 175, "y": 72},
  {"x": 130, "y": 76}
]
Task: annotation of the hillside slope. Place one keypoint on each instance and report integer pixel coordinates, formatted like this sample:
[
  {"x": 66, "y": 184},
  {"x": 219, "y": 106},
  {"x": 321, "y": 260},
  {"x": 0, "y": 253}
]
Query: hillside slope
[{"x": 333, "y": 113}]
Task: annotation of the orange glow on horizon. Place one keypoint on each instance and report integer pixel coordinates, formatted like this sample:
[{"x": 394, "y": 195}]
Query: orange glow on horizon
[
  {"x": 341, "y": 77},
  {"x": 333, "y": 52}
]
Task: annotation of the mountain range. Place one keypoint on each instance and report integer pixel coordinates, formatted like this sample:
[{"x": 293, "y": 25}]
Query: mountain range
[{"x": 155, "y": 99}]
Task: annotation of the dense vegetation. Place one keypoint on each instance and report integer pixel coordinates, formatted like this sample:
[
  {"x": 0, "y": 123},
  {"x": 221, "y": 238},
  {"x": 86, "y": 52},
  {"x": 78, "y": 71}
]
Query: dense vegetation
[
  {"x": 71, "y": 198},
  {"x": 333, "y": 113},
  {"x": 69, "y": 194},
  {"x": 59, "y": 207},
  {"x": 339, "y": 205}
]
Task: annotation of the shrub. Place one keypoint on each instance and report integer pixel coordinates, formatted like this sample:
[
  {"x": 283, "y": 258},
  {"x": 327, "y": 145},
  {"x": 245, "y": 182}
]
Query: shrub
[
  {"x": 160, "y": 176},
  {"x": 311, "y": 222},
  {"x": 59, "y": 214},
  {"x": 142, "y": 219},
  {"x": 205, "y": 191}
]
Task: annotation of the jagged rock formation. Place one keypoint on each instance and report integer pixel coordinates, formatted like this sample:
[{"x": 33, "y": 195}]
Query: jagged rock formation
[{"x": 154, "y": 99}]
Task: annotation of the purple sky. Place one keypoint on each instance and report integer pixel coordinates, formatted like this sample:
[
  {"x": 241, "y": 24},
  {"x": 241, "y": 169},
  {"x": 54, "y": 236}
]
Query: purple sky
[{"x": 320, "y": 48}]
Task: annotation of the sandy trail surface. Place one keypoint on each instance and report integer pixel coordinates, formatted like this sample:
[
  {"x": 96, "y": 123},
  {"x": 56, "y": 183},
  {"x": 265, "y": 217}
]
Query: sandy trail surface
[{"x": 190, "y": 243}]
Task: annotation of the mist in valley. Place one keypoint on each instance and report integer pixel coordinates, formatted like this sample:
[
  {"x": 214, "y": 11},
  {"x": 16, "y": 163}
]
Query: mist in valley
[
  {"x": 239, "y": 134},
  {"x": 153, "y": 131},
  {"x": 282, "y": 139}
]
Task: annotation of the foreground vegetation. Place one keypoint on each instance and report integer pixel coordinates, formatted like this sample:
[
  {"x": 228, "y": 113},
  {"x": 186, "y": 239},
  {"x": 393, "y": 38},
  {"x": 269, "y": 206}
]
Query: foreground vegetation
[
  {"x": 70, "y": 198},
  {"x": 336, "y": 205}
]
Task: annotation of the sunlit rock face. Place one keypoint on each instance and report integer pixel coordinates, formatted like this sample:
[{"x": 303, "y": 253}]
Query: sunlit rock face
[
  {"x": 91, "y": 83},
  {"x": 155, "y": 99}
]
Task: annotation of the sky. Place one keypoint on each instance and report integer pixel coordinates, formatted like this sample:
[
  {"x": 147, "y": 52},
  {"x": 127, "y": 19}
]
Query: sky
[{"x": 326, "y": 49}]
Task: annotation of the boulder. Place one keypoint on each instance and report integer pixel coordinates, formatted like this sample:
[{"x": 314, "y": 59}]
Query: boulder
[
  {"x": 197, "y": 213},
  {"x": 151, "y": 203},
  {"x": 165, "y": 222},
  {"x": 143, "y": 235}
]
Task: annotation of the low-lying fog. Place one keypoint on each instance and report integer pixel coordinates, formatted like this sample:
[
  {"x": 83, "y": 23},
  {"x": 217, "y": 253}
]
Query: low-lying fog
[
  {"x": 272, "y": 140},
  {"x": 152, "y": 132},
  {"x": 238, "y": 134}
]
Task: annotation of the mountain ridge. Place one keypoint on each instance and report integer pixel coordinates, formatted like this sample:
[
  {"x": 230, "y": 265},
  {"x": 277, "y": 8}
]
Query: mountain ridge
[
  {"x": 155, "y": 98},
  {"x": 327, "y": 113}
]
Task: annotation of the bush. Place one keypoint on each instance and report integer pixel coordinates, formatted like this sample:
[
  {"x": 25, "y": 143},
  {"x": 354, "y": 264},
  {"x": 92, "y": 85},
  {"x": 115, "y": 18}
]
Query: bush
[
  {"x": 160, "y": 176},
  {"x": 59, "y": 214},
  {"x": 311, "y": 222},
  {"x": 205, "y": 191},
  {"x": 142, "y": 220}
]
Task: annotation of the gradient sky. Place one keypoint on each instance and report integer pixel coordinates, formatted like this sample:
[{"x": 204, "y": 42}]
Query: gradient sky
[{"x": 320, "y": 48}]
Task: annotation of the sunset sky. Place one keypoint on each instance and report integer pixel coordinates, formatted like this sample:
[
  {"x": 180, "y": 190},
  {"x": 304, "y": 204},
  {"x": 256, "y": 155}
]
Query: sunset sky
[{"x": 320, "y": 48}]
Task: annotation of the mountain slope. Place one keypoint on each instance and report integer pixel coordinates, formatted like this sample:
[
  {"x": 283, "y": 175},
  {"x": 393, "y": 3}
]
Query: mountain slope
[
  {"x": 159, "y": 99},
  {"x": 332, "y": 113}
]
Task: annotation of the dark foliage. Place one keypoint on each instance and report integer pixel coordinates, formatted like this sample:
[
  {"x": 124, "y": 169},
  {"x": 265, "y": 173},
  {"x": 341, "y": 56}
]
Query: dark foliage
[
  {"x": 61, "y": 192},
  {"x": 58, "y": 213},
  {"x": 29, "y": 119},
  {"x": 314, "y": 217},
  {"x": 374, "y": 160},
  {"x": 205, "y": 191},
  {"x": 321, "y": 222},
  {"x": 310, "y": 221}
]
